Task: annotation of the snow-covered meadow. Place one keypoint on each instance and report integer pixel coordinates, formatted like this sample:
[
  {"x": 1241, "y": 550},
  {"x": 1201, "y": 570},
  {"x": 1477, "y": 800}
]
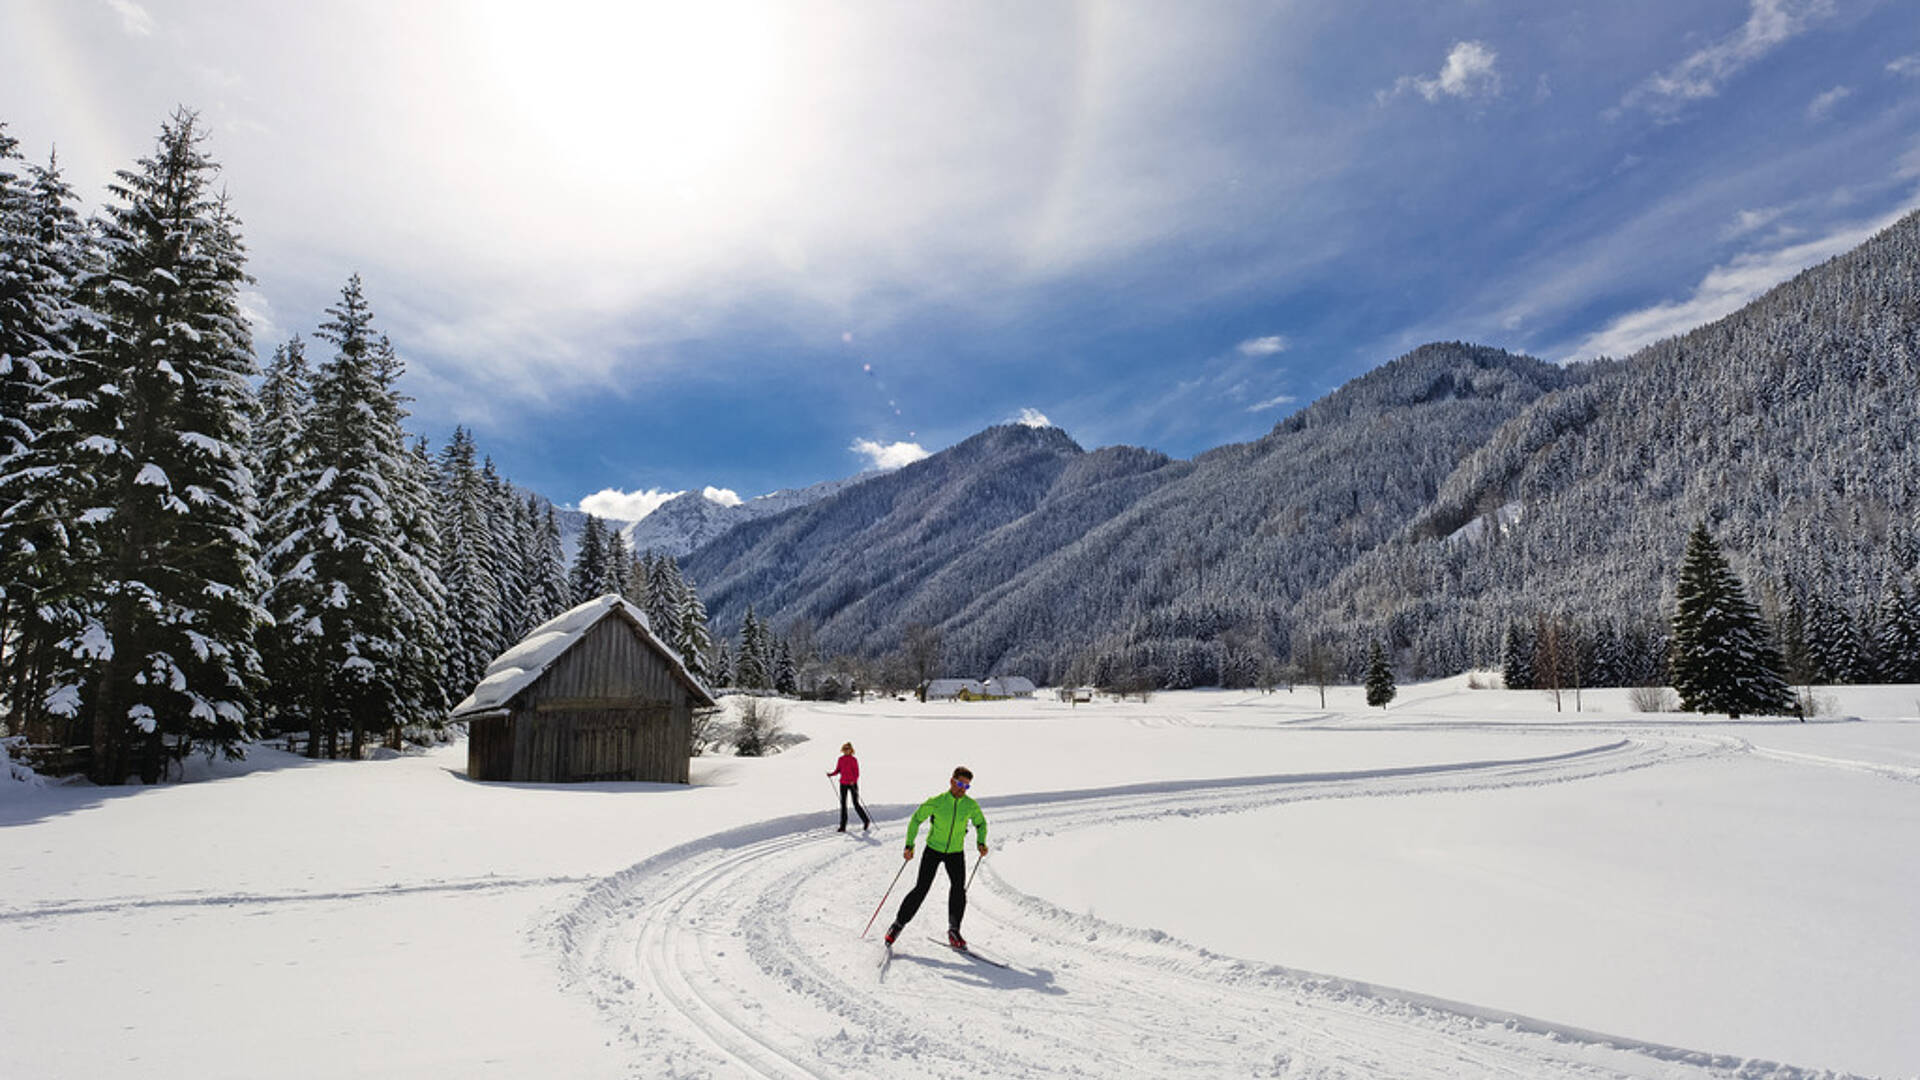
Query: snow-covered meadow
[{"x": 1206, "y": 884}]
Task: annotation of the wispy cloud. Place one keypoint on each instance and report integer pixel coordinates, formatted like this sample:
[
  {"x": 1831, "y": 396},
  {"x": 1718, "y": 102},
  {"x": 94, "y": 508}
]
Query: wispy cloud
[
  {"x": 888, "y": 455},
  {"x": 1724, "y": 290},
  {"x": 1272, "y": 403},
  {"x": 1906, "y": 67},
  {"x": 1468, "y": 73},
  {"x": 1263, "y": 346},
  {"x": 1032, "y": 418},
  {"x": 1822, "y": 106},
  {"x": 134, "y": 19},
  {"x": 1770, "y": 24},
  {"x": 723, "y": 496},
  {"x": 626, "y": 505},
  {"x": 1747, "y": 221}
]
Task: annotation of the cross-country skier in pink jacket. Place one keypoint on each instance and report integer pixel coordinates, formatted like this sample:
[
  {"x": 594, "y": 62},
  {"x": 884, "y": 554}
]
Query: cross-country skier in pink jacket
[{"x": 848, "y": 770}]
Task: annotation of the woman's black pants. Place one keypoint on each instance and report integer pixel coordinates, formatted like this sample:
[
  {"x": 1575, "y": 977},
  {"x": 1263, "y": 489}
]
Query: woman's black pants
[
  {"x": 854, "y": 790},
  {"x": 930, "y": 863}
]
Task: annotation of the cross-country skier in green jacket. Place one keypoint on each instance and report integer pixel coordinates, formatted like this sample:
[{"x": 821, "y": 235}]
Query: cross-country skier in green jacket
[{"x": 948, "y": 814}]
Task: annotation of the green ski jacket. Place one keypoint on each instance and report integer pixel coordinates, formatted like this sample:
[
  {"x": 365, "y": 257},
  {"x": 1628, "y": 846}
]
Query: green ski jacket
[{"x": 948, "y": 830}]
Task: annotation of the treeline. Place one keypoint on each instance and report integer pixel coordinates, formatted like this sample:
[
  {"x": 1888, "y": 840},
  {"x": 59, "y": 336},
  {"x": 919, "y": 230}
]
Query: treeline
[{"x": 187, "y": 561}]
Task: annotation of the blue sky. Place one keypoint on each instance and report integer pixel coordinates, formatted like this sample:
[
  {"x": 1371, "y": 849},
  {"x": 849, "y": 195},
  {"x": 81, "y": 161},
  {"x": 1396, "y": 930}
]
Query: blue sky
[{"x": 644, "y": 248}]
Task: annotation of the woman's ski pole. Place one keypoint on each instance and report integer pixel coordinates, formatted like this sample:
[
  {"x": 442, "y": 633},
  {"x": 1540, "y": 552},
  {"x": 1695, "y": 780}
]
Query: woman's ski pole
[{"x": 889, "y": 892}]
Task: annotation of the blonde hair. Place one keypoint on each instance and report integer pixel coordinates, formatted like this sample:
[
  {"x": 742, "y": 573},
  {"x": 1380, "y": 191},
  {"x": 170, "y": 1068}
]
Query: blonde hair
[{"x": 846, "y": 748}]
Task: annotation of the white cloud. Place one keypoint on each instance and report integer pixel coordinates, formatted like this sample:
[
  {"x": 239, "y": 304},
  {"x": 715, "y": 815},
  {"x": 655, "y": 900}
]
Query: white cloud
[
  {"x": 625, "y": 505},
  {"x": 1272, "y": 403},
  {"x": 1907, "y": 66},
  {"x": 258, "y": 311},
  {"x": 1724, "y": 290},
  {"x": 134, "y": 19},
  {"x": 1770, "y": 24},
  {"x": 888, "y": 455},
  {"x": 1822, "y": 106},
  {"x": 723, "y": 496},
  {"x": 1263, "y": 346},
  {"x": 1747, "y": 221},
  {"x": 1032, "y": 418},
  {"x": 1468, "y": 73}
]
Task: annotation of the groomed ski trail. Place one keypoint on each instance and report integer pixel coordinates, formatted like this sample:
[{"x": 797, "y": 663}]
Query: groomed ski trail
[{"x": 739, "y": 955}]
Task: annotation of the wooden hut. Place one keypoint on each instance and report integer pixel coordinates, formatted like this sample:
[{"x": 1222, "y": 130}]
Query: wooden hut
[{"x": 591, "y": 694}]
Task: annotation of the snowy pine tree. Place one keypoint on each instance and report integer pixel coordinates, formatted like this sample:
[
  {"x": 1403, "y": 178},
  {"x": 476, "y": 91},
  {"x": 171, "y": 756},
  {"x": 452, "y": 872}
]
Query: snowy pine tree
[
  {"x": 1723, "y": 659},
  {"x": 45, "y": 253},
  {"x": 694, "y": 642},
  {"x": 157, "y": 421},
  {"x": 750, "y": 664},
  {"x": 590, "y": 573},
  {"x": 1516, "y": 653},
  {"x": 784, "y": 678},
  {"x": 348, "y": 575},
  {"x": 551, "y": 594},
  {"x": 467, "y": 567},
  {"x": 1380, "y": 688}
]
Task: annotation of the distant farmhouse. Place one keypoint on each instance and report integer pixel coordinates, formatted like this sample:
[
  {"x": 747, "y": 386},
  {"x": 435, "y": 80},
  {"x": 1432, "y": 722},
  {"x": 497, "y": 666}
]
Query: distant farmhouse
[
  {"x": 588, "y": 695},
  {"x": 998, "y": 688}
]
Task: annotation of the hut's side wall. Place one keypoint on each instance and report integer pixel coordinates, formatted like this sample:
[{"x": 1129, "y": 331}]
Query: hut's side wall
[
  {"x": 490, "y": 748},
  {"x": 610, "y": 709}
]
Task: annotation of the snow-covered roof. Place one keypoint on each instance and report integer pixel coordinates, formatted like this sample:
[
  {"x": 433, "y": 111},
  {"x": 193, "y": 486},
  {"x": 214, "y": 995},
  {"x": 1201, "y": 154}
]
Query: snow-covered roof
[
  {"x": 521, "y": 666},
  {"x": 946, "y": 688},
  {"x": 1009, "y": 685}
]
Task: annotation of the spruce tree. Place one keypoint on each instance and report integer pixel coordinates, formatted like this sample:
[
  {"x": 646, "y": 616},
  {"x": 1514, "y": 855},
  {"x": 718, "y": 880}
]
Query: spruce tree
[
  {"x": 159, "y": 427},
  {"x": 750, "y": 665},
  {"x": 1380, "y": 688},
  {"x": 1516, "y": 652},
  {"x": 467, "y": 567},
  {"x": 589, "y": 575},
  {"x": 45, "y": 255},
  {"x": 347, "y": 575},
  {"x": 1723, "y": 659},
  {"x": 694, "y": 642},
  {"x": 551, "y": 593},
  {"x": 1897, "y": 635},
  {"x": 783, "y": 671}
]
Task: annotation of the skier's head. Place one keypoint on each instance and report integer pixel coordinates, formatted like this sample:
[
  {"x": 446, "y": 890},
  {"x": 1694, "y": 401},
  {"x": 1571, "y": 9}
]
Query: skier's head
[
  {"x": 846, "y": 748},
  {"x": 962, "y": 778}
]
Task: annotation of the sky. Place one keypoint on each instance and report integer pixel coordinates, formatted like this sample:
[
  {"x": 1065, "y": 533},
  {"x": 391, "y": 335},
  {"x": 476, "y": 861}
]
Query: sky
[{"x": 642, "y": 248}]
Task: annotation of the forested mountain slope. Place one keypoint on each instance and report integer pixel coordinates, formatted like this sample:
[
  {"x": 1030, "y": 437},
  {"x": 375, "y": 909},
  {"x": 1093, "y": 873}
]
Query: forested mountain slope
[
  {"x": 1032, "y": 556},
  {"x": 1788, "y": 426}
]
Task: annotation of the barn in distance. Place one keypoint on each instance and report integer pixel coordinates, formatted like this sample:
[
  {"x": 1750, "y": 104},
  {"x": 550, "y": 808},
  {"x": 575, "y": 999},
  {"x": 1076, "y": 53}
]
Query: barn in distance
[{"x": 590, "y": 694}]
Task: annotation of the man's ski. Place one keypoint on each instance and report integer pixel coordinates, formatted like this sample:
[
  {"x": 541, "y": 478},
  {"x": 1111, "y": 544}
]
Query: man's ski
[{"x": 970, "y": 954}]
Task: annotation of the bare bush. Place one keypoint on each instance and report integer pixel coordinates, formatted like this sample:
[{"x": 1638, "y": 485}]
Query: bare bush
[
  {"x": 1652, "y": 699},
  {"x": 707, "y": 729},
  {"x": 1812, "y": 704},
  {"x": 759, "y": 730}
]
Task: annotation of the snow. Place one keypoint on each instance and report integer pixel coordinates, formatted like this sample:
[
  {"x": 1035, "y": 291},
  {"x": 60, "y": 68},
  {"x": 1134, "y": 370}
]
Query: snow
[{"x": 1207, "y": 884}]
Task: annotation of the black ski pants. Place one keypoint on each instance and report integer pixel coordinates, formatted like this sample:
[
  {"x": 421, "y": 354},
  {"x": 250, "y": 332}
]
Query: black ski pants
[
  {"x": 853, "y": 790},
  {"x": 930, "y": 863}
]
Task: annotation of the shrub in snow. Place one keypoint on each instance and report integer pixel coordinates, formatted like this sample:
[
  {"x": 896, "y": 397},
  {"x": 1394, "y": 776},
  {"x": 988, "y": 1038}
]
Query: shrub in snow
[
  {"x": 12, "y": 769},
  {"x": 759, "y": 730}
]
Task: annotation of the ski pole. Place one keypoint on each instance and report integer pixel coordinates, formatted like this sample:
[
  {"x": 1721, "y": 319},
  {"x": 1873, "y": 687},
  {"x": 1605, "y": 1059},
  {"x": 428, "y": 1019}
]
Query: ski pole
[
  {"x": 883, "y": 898},
  {"x": 976, "y": 869}
]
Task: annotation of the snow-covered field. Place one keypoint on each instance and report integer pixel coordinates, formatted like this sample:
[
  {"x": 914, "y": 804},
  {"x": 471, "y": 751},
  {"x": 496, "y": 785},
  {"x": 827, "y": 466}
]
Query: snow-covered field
[{"x": 1209, "y": 884}]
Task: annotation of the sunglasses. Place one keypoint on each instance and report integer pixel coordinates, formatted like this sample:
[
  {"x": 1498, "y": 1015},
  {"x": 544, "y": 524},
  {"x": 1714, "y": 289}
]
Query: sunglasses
[{"x": 963, "y": 784}]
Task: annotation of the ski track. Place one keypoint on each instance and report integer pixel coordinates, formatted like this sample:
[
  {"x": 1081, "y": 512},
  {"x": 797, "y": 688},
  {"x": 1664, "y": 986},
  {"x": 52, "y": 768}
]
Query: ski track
[{"x": 740, "y": 955}]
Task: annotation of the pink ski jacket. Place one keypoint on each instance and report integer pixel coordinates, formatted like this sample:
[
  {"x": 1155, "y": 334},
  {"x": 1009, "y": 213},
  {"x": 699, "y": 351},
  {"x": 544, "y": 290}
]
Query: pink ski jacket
[{"x": 848, "y": 770}]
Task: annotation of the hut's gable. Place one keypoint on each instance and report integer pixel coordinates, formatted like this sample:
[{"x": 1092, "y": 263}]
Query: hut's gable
[{"x": 608, "y": 663}]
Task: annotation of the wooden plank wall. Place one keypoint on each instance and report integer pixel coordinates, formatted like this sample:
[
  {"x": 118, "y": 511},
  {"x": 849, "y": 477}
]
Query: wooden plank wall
[
  {"x": 490, "y": 748},
  {"x": 610, "y": 709}
]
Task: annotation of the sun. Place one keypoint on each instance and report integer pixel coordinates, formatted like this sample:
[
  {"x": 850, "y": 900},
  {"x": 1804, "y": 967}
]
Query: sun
[{"x": 653, "y": 97}]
